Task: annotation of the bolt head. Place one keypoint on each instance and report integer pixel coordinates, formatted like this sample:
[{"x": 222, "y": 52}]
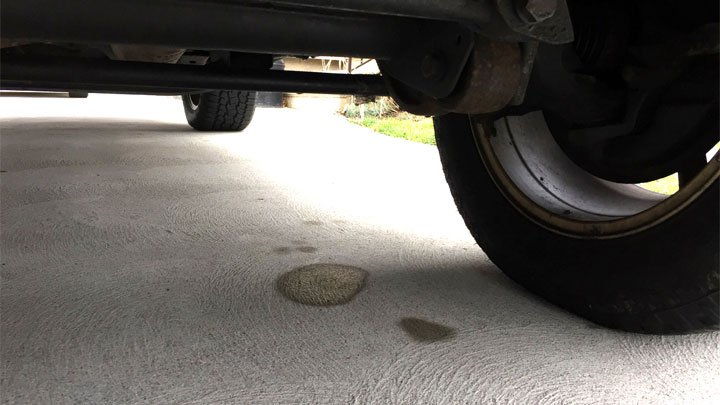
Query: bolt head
[{"x": 535, "y": 11}]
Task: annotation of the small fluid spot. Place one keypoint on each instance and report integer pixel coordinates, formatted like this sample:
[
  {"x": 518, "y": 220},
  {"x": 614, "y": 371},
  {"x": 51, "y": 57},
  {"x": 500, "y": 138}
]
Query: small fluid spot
[
  {"x": 425, "y": 331},
  {"x": 322, "y": 284},
  {"x": 284, "y": 250},
  {"x": 306, "y": 249},
  {"x": 316, "y": 223}
]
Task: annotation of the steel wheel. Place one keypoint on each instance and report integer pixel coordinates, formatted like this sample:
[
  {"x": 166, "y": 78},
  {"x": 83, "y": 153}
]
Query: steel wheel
[{"x": 538, "y": 179}]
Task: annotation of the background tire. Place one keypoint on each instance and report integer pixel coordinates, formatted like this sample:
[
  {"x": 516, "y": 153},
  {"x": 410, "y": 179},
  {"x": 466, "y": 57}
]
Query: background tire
[
  {"x": 77, "y": 94},
  {"x": 663, "y": 279},
  {"x": 223, "y": 110}
]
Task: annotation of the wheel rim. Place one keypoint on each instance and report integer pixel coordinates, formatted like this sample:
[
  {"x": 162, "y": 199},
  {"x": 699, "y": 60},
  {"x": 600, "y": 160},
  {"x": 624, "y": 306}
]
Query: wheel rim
[
  {"x": 194, "y": 101},
  {"x": 539, "y": 180}
]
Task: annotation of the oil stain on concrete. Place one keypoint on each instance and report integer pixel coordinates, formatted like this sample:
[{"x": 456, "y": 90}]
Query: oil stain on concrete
[
  {"x": 322, "y": 284},
  {"x": 286, "y": 250},
  {"x": 424, "y": 331}
]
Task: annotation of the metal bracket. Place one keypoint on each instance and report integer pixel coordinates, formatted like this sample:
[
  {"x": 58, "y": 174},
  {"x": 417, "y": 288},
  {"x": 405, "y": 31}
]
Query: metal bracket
[
  {"x": 490, "y": 79},
  {"x": 193, "y": 59},
  {"x": 434, "y": 66},
  {"x": 529, "y": 50}
]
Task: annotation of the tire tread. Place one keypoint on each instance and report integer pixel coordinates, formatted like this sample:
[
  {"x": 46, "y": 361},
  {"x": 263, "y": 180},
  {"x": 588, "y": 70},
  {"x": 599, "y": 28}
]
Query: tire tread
[{"x": 222, "y": 110}]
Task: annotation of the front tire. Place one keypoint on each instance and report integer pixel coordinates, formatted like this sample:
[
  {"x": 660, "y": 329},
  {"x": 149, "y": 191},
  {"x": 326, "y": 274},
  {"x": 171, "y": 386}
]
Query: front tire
[
  {"x": 223, "y": 110},
  {"x": 657, "y": 276}
]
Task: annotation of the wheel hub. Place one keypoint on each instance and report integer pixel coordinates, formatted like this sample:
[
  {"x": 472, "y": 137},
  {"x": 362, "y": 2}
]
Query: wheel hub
[{"x": 630, "y": 103}]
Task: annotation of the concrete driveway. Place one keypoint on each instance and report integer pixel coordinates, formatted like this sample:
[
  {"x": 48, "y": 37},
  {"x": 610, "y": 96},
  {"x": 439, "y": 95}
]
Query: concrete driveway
[{"x": 140, "y": 259}]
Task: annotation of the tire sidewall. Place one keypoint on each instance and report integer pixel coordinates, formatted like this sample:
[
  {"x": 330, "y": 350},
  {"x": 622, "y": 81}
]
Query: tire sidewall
[
  {"x": 192, "y": 114},
  {"x": 665, "y": 266}
]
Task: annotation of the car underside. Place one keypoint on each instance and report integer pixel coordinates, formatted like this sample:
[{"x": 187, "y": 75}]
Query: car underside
[{"x": 547, "y": 113}]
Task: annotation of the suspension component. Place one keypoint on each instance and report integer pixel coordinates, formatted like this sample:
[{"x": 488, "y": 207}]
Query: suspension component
[{"x": 490, "y": 80}]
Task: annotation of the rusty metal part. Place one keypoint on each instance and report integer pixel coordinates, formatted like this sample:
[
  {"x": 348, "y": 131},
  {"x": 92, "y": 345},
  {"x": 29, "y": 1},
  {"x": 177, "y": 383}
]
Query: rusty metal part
[
  {"x": 492, "y": 77},
  {"x": 490, "y": 81}
]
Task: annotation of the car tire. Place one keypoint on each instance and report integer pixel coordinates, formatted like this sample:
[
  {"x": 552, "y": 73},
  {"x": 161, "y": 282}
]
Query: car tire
[
  {"x": 660, "y": 278},
  {"x": 223, "y": 110}
]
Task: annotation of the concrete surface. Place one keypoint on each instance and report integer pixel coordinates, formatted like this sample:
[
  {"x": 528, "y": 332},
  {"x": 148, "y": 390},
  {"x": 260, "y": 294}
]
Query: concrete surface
[{"x": 139, "y": 262}]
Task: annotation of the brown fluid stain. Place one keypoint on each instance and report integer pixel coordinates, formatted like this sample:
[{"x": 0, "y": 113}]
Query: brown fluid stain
[
  {"x": 322, "y": 284},
  {"x": 424, "y": 331},
  {"x": 283, "y": 250},
  {"x": 316, "y": 223},
  {"x": 286, "y": 250}
]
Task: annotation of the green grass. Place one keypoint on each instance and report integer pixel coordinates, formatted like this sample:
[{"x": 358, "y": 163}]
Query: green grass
[
  {"x": 667, "y": 185},
  {"x": 403, "y": 126}
]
